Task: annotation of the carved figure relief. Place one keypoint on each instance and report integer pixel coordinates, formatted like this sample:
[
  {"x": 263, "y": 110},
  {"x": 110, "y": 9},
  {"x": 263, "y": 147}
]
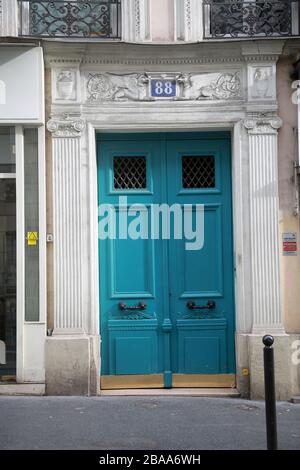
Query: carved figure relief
[
  {"x": 261, "y": 83},
  {"x": 65, "y": 85},
  {"x": 136, "y": 87},
  {"x": 225, "y": 86},
  {"x": 113, "y": 87}
]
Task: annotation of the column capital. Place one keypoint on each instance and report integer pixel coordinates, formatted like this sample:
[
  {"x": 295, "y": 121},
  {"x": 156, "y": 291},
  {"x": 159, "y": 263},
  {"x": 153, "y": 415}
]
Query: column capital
[
  {"x": 66, "y": 125},
  {"x": 262, "y": 124}
]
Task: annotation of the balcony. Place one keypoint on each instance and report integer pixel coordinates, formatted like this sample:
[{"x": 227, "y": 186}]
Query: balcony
[
  {"x": 98, "y": 19},
  {"x": 250, "y": 19}
]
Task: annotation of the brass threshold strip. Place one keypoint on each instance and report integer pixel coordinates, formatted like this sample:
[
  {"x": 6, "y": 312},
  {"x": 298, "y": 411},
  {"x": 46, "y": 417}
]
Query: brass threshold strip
[{"x": 117, "y": 382}]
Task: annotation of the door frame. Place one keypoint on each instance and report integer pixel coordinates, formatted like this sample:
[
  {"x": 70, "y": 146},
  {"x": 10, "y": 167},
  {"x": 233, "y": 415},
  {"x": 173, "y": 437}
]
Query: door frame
[
  {"x": 158, "y": 380},
  {"x": 240, "y": 211},
  {"x": 30, "y": 335}
]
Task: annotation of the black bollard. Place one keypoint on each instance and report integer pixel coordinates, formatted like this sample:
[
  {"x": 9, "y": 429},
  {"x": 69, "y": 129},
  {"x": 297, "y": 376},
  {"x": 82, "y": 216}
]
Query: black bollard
[{"x": 270, "y": 396}]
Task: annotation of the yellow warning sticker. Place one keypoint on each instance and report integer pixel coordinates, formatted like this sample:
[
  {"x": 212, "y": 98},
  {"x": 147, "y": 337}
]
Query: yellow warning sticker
[{"x": 32, "y": 238}]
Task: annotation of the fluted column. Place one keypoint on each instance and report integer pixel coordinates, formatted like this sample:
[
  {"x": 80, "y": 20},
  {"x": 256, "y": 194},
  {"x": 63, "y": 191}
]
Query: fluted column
[
  {"x": 262, "y": 133},
  {"x": 8, "y": 18},
  {"x": 67, "y": 224}
]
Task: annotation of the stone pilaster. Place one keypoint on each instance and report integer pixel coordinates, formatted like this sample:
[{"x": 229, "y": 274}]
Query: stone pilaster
[
  {"x": 67, "y": 223},
  {"x": 263, "y": 177},
  {"x": 8, "y": 18}
]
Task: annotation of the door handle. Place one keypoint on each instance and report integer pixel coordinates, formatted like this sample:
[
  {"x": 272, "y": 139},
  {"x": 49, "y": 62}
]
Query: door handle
[
  {"x": 139, "y": 306},
  {"x": 211, "y": 304}
]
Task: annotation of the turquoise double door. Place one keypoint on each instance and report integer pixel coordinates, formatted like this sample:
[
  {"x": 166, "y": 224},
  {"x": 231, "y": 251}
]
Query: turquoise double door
[{"x": 166, "y": 260}]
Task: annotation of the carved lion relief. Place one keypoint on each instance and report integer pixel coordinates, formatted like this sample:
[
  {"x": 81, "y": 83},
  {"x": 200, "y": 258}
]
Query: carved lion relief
[{"x": 101, "y": 87}]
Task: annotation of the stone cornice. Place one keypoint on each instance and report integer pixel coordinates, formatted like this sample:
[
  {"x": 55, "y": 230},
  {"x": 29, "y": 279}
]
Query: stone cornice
[
  {"x": 145, "y": 54},
  {"x": 261, "y": 57},
  {"x": 98, "y": 60},
  {"x": 162, "y": 60},
  {"x": 257, "y": 50},
  {"x": 62, "y": 61},
  {"x": 53, "y": 61}
]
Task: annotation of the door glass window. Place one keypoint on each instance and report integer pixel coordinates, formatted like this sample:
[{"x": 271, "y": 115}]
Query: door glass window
[
  {"x": 7, "y": 150},
  {"x": 198, "y": 172},
  {"x": 130, "y": 173}
]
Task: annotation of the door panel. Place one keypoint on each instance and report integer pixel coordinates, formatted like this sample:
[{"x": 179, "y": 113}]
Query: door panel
[
  {"x": 167, "y": 342},
  {"x": 131, "y": 256},
  {"x": 131, "y": 271},
  {"x": 209, "y": 258},
  {"x": 202, "y": 342}
]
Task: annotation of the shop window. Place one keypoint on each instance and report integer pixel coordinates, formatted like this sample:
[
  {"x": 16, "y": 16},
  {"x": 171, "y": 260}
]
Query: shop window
[
  {"x": 7, "y": 150},
  {"x": 8, "y": 265}
]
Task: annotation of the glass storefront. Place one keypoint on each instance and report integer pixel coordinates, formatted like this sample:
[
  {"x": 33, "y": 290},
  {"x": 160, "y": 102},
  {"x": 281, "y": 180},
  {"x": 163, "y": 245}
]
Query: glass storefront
[
  {"x": 29, "y": 212},
  {"x": 7, "y": 255},
  {"x": 7, "y": 150}
]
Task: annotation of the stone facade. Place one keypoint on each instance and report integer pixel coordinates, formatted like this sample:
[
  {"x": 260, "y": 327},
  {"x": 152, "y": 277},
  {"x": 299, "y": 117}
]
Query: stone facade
[
  {"x": 242, "y": 86},
  {"x": 232, "y": 86}
]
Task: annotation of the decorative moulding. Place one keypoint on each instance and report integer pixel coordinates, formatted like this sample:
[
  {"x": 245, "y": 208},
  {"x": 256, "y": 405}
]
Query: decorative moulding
[
  {"x": 188, "y": 15},
  {"x": 189, "y": 20},
  {"x": 262, "y": 82},
  {"x": 8, "y": 18},
  {"x": 65, "y": 84},
  {"x": 261, "y": 58},
  {"x": 95, "y": 60},
  {"x": 103, "y": 58},
  {"x": 263, "y": 124},
  {"x": 66, "y": 126},
  {"x": 137, "y": 16},
  {"x": 135, "y": 20},
  {"x": 102, "y": 87},
  {"x": 62, "y": 60}
]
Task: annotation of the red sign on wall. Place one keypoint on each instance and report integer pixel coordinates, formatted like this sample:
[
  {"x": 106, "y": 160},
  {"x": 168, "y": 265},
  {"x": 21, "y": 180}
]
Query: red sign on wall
[{"x": 289, "y": 243}]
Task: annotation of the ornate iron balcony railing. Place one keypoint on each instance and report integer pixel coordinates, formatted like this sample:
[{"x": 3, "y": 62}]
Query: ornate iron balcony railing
[
  {"x": 250, "y": 18},
  {"x": 99, "y": 19}
]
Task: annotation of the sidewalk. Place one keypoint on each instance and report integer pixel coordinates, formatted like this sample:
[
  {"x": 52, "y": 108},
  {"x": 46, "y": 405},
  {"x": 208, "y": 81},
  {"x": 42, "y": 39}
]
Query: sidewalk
[{"x": 145, "y": 423}]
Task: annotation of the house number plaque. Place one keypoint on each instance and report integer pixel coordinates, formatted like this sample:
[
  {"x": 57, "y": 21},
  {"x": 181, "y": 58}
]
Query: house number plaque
[{"x": 162, "y": 88}]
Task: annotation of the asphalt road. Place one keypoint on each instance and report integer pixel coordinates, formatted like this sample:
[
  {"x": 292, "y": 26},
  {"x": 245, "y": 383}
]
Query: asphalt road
[{"x": 156, "y": 423}]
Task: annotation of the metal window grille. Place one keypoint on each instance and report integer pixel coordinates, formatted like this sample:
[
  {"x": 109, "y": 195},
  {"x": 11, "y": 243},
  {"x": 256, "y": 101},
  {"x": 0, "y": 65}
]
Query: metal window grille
[
  {"x": 130, "y": 173},
  {"x": 198, "y": 172},
  {"x": 99, "y": 19}
]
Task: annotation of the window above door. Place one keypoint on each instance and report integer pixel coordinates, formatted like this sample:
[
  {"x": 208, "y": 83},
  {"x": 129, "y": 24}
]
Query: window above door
[{"x": 157, "y": 21}]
